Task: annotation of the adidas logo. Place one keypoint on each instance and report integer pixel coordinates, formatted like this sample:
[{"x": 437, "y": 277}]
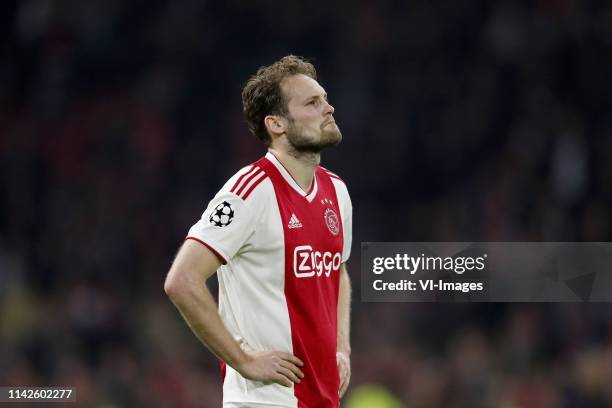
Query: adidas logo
[{"x": 294, "y": 222}]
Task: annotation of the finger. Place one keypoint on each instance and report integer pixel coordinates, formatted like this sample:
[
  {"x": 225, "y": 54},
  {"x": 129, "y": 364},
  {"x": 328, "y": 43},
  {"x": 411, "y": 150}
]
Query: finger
[
  {"x": 342, "y": 390},
  {"x": 292, "y": 367},
  {"x": 344, "y": 373},
  {"x": 290, "y": 357},
  {"x": 345, "y": 384},
  {"x": 282, "y": 380},
  {"x": 289, "y": 374},
  {"x": 342, "y": 369}
]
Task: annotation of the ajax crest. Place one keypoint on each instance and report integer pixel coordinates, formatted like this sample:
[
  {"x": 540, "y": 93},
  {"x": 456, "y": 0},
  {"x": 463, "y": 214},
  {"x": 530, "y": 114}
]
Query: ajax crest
[{"x": 331, "y": 220}]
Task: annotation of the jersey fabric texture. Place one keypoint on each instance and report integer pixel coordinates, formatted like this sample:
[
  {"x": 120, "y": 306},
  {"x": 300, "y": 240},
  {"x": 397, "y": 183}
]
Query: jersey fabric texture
[{"x": 281, "y": 249}]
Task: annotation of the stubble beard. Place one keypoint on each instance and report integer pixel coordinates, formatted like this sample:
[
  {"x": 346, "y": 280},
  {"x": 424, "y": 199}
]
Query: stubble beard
[{"x": 301, "y": 144}]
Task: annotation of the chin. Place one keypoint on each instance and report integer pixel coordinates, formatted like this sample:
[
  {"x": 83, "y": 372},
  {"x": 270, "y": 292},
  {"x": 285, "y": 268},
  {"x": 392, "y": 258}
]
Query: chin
[
  {"x": 309, "y": 144},
  {"x": 332, "y": 137}
]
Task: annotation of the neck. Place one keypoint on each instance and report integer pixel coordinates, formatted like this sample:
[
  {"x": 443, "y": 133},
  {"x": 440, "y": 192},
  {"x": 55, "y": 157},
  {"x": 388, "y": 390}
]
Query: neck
[{"x": 301, "y": 166}]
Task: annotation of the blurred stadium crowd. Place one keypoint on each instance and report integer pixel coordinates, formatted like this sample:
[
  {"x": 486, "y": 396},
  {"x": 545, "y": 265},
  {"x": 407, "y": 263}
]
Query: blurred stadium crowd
[{"x": 462, "y": 121}]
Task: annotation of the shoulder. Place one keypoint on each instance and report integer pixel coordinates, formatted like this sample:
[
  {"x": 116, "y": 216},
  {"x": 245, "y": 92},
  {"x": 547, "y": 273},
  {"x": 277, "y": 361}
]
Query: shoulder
[
  {"x": 247, "y": 184},
  {"x": 331, "y": 174},
  {"x": 339, "y": 185}
]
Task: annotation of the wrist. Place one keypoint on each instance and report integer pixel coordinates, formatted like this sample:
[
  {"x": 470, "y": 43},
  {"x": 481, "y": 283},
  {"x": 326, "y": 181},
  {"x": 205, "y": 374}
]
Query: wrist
[{"x": 241, "y": 361}]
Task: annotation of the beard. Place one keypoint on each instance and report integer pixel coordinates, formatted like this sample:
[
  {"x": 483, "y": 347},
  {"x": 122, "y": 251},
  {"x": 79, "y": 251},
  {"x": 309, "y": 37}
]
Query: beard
[{"x": 302, "y": 143}]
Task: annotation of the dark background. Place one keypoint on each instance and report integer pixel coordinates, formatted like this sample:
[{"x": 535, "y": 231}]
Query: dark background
[{"x": 462, "y": 121}]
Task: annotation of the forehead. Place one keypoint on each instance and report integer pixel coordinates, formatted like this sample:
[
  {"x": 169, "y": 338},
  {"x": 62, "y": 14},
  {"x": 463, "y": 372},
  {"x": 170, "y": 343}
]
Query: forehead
[{"x": 300, "y": 87}]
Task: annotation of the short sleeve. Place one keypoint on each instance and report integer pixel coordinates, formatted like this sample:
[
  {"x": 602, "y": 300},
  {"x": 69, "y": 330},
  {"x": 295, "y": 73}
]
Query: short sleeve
[{"x": 225, "y": 226}]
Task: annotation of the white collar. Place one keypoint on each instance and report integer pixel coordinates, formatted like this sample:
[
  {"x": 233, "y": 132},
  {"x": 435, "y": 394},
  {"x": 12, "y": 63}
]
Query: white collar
[{"x": 291, "y": 181}]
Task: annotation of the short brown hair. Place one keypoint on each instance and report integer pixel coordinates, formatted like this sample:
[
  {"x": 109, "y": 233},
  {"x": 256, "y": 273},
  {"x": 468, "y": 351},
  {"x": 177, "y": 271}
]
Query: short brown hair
[{"x": 262, "y": 96}]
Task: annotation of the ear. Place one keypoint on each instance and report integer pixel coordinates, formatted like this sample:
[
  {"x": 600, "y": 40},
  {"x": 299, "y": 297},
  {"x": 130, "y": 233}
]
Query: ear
[{"x": 276, "y": 125}]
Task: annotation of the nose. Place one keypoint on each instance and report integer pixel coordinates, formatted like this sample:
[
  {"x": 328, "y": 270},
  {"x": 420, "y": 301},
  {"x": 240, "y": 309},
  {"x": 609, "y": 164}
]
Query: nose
[{"x": 329, "y": 109}]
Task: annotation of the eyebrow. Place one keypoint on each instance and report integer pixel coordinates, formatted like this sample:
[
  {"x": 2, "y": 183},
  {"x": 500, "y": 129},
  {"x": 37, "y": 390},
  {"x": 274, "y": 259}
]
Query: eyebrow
[{"x": 324, "y": 95}]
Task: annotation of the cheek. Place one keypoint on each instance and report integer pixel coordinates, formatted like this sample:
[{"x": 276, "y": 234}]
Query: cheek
[
  {"x": 306, "y": 114},
  {"x": 314, "y": 126},
  {"x": 307, "y": 122}
]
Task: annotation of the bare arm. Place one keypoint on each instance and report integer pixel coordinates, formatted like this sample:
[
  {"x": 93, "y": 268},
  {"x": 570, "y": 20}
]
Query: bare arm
[
  {"x": 185, "y": 285},
  {"x": 344, "y": 329},
  {"x": 344, "y": 311}
]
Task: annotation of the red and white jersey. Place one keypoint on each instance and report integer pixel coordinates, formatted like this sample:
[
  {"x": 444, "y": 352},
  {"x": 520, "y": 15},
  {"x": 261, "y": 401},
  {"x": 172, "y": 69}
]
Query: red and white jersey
[{"x": 282, "y": 249}]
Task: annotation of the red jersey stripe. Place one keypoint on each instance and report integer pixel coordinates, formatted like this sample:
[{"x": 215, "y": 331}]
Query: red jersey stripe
[
  {"x": 332, "y": 175},
  {"x": 313, "y": 330},
  {"x": 247, "y": 182},
  {"x": 246, "y": 194},
  {"x": 223, "y": 370},
  {"x": 238, "y": 183}
]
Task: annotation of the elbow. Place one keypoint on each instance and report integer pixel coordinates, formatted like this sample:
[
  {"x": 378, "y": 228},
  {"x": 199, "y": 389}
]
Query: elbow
[
  {"x": 179, "y": 285},
  {"x": 171, "y": 287}
]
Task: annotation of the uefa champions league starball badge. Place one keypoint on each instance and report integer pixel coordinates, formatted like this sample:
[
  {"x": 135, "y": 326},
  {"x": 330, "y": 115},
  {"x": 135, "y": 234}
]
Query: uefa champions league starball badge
[
  {"x": 331, "y": 220},
  {"x": 222, "y": 215}
]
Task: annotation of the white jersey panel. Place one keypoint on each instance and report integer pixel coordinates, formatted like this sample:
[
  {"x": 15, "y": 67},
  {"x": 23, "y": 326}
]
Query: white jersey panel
[
  {"x": 252, "y": 301},
  {"x": 346, "y": 213}
]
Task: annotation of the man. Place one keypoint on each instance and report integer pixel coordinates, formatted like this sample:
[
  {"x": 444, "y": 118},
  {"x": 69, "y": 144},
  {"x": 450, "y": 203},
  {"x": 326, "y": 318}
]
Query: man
[{"x": 279, "y": 234}]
